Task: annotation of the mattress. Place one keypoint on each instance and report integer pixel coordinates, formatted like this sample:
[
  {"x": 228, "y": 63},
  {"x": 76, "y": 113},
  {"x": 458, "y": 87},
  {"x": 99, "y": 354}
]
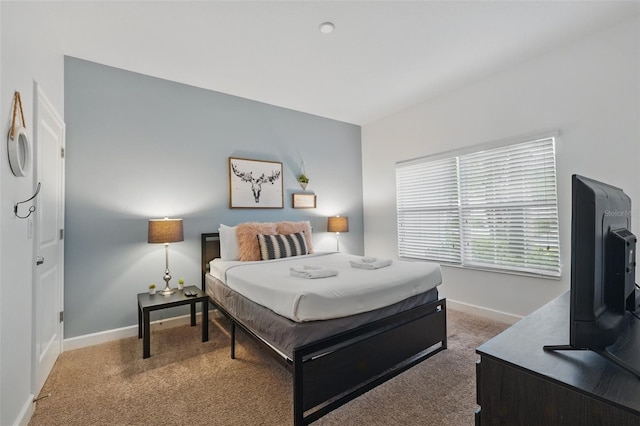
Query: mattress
[
  {"x": 352, "y": 291},
  {"x": 283, "y": 334}
]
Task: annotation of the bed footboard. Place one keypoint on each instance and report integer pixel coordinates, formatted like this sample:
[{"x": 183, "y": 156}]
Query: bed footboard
[{"x": 333, "y": 371}]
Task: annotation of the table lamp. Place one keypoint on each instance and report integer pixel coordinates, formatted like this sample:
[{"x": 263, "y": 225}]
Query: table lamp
[
  {"x": 165, "y": 231},
  {"x": 338, "y": 224}
]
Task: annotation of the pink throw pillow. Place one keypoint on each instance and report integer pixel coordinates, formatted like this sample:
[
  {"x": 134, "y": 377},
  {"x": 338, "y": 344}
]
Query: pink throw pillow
[{"x": 247, "y": 234}]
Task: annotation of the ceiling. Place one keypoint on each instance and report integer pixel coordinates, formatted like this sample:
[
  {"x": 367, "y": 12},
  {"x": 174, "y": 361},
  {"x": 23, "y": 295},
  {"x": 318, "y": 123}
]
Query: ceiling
[{"x": 383, "y": 56}]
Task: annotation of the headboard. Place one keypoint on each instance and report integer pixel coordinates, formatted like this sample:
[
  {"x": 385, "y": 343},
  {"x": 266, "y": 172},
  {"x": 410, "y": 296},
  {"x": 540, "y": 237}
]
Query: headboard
[{"x": 210, "y": 248}]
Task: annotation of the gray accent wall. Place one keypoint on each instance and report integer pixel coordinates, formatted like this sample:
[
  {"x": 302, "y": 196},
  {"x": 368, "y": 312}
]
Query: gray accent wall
[{"x": 140, "y": 147}]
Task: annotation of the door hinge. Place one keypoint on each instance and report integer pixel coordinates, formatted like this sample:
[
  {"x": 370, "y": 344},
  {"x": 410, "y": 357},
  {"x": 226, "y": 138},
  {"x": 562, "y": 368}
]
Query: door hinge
[
  {"x": 61, "y": 316},
  {"x": 62, "y": 234},
  {"x": 62, "y": 152}
]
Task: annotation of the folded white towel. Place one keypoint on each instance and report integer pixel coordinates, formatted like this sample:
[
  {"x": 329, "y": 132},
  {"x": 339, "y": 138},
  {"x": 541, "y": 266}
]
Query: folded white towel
[
  {"x": 312, "y": 272},
  {"x": 367, "y": 263}
]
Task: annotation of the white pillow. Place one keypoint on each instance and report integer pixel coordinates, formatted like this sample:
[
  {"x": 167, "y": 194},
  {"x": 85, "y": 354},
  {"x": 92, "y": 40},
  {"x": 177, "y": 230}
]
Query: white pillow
[{"x": 228, "y": 243}]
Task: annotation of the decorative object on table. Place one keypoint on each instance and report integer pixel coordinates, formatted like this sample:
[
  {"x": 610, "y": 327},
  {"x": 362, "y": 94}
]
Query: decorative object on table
[
  {"x": 303, "y": 201},
  {"x": 180, "y": 283},
  {"x": 18, "y": 144},
  {"x": 338, "y": 224},
  {"x": 152, "y": 289},
  {"x": 255, "y": 184},
  {"x": 303, "y": 180},
  {"x": 165, "y": 231}
]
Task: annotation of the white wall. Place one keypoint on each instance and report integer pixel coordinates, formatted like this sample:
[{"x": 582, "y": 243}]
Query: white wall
[
  {"x": 36, "y": 56},
  {"x": 588, "y": 90}
]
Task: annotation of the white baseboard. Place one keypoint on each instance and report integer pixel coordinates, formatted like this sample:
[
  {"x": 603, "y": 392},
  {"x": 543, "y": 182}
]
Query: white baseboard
[
  {"x": 24, "y": 417},
  {"x": 483, "y": 312},
  {"x": 132, "y": 330}
]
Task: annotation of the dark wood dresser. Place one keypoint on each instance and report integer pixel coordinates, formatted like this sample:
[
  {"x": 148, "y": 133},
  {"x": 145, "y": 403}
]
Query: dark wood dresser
[{"x": 520, "y": 384}]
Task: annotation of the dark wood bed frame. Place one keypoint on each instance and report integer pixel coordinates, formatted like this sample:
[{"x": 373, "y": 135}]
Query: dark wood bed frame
[{"x": 332, "y": 371}]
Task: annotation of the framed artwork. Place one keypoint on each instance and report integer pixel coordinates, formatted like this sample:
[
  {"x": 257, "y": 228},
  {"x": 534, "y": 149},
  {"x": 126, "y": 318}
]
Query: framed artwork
[
  {"x": 303, "y": 201},
  {"x": 255, "y": 184}
]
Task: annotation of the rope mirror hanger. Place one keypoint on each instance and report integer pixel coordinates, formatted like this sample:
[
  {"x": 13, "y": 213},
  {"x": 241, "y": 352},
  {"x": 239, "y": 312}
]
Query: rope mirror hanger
[{"x": 18, "y": 144}]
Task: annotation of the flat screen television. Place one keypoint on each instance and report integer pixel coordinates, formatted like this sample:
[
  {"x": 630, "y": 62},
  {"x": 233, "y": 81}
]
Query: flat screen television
[{"x": 603, "y": 262}]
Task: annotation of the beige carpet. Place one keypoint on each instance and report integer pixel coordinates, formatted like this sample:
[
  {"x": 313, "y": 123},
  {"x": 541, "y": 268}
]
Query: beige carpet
[{"x": 187, "y": 382}]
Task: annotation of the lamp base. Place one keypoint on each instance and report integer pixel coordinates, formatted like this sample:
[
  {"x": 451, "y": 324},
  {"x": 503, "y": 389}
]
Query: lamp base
[{"x": 167, "y": 291}]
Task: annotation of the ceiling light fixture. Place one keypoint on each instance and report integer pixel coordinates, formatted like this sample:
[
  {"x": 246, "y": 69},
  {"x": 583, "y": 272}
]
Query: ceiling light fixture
[{"x": 327, "y": 27}]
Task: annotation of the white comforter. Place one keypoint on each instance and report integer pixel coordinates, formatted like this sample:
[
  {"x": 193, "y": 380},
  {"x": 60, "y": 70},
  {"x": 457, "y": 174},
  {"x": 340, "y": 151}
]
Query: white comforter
[{"x": 352, "y": 291}]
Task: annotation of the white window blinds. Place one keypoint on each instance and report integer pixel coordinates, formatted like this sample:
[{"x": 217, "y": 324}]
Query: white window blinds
[
  {"x": 428, "y": 211},
  {"x": 492, "y": 209}
]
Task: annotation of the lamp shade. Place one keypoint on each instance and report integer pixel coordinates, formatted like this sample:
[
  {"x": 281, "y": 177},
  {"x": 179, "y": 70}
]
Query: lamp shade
[
  {"x": 338, "y": 224},
  {"x": 165, "y": 231}
]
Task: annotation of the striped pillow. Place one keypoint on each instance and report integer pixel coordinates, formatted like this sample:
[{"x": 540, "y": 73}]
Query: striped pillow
[{"x": 279, "y": 246}]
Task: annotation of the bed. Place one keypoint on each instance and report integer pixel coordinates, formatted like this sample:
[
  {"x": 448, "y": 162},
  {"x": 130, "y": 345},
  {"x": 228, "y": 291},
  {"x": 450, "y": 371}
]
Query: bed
[{"x": 333, "y": 359}]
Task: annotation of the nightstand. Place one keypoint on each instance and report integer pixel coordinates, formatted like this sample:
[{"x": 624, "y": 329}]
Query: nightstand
[{"x": 153, "y": 302}]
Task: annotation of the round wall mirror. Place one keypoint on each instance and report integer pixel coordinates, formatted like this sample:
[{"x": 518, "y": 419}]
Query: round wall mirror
[{"x": 19, "y": 149}]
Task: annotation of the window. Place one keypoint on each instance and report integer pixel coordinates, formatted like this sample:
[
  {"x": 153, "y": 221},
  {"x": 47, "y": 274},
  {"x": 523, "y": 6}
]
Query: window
[{"x": 494, "y": 208}]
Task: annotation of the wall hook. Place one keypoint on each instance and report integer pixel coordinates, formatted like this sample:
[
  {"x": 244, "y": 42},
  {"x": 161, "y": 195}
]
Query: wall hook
[{"x": 31, "y": 209}]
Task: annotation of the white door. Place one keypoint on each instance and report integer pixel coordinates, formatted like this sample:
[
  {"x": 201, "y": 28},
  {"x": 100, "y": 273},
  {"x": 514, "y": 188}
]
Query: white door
[{"x": 47, "y": 223}]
